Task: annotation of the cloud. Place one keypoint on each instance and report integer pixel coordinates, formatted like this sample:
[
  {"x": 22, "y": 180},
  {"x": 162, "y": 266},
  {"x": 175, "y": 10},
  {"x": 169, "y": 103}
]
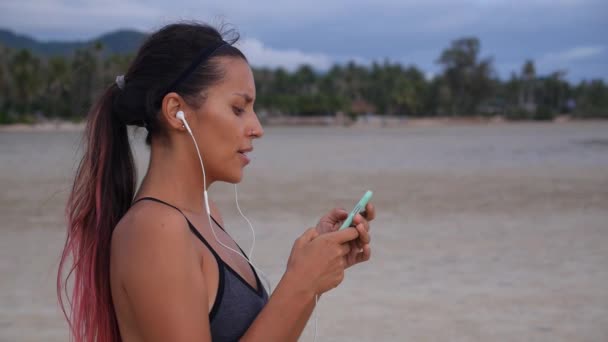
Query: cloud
[
  {"x": 572, "y": 55},
  {"x": 51, "y": 19},
  {"x": 433, "y": 15},
  {"x": 319, "y": 32},
  {"x": 260, "y": 55}
]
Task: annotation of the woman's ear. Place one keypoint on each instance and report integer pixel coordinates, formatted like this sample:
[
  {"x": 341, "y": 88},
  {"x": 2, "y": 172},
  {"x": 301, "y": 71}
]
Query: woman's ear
[{"x": 172, "y": 103}]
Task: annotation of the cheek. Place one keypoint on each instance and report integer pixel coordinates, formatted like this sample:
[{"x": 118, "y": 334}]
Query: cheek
[
  {"x": 221, "y": 144},
  {"x": 222, "y": 135}
]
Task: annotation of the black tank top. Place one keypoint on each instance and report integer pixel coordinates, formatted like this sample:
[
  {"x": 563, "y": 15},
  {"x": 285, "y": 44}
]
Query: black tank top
[{"x": 237, "y": 303}]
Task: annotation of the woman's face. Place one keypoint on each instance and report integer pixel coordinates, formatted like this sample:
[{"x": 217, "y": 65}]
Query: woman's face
[{"x": 224, "y": 123}]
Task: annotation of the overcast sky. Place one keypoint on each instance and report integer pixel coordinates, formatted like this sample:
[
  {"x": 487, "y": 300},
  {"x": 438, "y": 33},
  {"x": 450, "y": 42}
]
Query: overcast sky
[{"x": 567, "y": 35}]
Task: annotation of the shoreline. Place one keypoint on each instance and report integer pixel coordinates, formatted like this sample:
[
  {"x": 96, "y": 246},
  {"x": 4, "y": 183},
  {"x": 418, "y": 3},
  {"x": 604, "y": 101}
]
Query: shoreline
[
  {"x": 58, "y": 126},
  {"x": 373, "y": 122}
]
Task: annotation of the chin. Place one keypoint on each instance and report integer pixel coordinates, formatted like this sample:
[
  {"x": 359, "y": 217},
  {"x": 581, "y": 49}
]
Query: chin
[{"x": 234, "y": 178}]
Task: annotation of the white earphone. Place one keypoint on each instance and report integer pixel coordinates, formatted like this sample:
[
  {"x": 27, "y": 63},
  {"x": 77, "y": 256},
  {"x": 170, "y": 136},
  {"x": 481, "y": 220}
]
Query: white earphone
[{"x": 181, "y": 116}]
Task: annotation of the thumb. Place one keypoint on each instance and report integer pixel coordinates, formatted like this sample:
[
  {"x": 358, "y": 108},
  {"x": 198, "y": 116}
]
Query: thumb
[{"x": 344, "y": 235}]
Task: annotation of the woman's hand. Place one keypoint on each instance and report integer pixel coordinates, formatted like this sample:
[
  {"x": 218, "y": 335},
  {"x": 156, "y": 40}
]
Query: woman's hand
[
  {"x": 318, "y": 261},
  {"x": 360, "y": 248}
]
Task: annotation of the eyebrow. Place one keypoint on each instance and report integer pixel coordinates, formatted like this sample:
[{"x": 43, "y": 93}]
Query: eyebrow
[{"x": 248, "y": 98}]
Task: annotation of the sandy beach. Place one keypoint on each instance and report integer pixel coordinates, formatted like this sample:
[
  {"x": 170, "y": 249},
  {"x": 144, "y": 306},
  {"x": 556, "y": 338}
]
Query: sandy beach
[{"x": 484, "y": 232}]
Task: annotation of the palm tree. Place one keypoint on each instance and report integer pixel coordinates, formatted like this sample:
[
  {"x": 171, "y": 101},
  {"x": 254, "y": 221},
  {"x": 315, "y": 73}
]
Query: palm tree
[
  {"x": 25, "y": 69},
  {"x": 527, "y": 98}
]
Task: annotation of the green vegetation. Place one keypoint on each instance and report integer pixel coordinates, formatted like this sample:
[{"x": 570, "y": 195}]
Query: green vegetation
[{"x": 35, "y": 86}]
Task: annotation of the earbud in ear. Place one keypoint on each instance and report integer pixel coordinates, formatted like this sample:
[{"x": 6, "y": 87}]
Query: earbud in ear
[{"x": 180, "y": 115}]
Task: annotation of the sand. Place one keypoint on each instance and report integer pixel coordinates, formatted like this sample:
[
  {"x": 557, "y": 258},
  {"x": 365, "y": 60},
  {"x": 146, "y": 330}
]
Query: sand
[{"x": 484, "y": 233}]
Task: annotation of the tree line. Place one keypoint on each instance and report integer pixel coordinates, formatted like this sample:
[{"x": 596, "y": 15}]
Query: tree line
[{"x": 34, "y": 88}]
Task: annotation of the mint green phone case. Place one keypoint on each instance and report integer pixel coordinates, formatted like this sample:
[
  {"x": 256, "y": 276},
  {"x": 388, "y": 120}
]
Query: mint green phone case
[{"x": 357, "y": 209}]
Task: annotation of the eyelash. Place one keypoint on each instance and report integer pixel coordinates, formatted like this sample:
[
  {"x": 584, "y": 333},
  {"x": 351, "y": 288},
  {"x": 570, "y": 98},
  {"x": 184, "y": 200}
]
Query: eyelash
[{"x": 238, "y": 111}]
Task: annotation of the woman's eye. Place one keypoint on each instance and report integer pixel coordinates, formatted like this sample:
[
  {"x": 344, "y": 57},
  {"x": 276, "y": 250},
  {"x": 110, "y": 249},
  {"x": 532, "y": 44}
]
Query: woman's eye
[{"x": 237, "y": 110}]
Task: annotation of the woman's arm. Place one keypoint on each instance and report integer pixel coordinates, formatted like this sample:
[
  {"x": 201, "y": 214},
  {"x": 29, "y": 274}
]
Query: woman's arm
[
  {"x": 285, "y": 315},
  {"x": 316, "y": 265}
]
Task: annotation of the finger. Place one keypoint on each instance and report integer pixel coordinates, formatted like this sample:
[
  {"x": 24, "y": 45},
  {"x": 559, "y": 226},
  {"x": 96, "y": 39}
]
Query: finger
[
  {"x": 365, "y": 255},
  {"x": 370, "y": 212},
  {"x": 354, "y": 252},
  {"x": 364, "y": 236},
  {"x": 355, "y": 248},
  {"x": 361, "y": 219},
  {"x": 345, "y": 249},
  {"x": 336, "y": 215},
  {"x": 343, "y": 236},
  {"x": 357, "y": 244},
  {"x": 350, "y": 259},
  {"x": 358, "y": 219}
]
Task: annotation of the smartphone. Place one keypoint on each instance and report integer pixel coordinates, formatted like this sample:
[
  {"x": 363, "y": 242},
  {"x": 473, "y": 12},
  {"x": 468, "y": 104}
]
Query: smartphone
[{"x": 357, "y": 209}]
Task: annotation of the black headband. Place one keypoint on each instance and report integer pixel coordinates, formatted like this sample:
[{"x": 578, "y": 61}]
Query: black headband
[
  {"x": 205, "y": 54},
  {"x": 130, "y": 112}
]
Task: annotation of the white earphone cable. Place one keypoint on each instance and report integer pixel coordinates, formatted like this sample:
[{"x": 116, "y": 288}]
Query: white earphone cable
[
  {"x": 236, "y": 199},
  {"x": 207, "y": 209},
  {"x": 250, "y": 256}
]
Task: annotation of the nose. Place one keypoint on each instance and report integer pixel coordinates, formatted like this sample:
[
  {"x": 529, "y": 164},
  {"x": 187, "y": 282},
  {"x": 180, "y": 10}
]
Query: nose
[{"x": 256, "y": 127}]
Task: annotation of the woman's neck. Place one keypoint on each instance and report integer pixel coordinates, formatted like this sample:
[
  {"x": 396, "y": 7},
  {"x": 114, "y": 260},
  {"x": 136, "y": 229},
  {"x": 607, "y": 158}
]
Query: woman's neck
[{"x": 175, "y": 177}]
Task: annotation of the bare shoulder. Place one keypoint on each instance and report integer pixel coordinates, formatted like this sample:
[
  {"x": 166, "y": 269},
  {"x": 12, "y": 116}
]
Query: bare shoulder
[
  {"x": 146, "y": 230},
  {"x": 158, "y": 269}
]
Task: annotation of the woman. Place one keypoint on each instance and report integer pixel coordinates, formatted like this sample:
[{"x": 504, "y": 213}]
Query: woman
[{"x": 147, "y": 265}]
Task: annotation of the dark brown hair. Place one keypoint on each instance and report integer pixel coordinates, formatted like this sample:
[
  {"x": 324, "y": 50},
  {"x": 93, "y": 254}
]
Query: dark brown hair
[{"x": 104, "y": 184}]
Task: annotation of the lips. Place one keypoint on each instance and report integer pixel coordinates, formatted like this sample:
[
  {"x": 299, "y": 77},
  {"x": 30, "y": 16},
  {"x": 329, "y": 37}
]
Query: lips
[
  {"x": 244, "y": 155},
  {"x": 245, "y": 151}
]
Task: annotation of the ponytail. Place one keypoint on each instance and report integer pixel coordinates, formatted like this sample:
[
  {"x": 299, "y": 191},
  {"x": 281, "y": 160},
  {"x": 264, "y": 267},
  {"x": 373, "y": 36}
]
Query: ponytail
[
  {"x": 102, "y": 193},
  {"x": 105, "y": 180}
]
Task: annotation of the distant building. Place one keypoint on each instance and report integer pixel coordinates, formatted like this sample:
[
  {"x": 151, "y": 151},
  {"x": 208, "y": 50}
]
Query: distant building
[{"x": 361, "y": 106}]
